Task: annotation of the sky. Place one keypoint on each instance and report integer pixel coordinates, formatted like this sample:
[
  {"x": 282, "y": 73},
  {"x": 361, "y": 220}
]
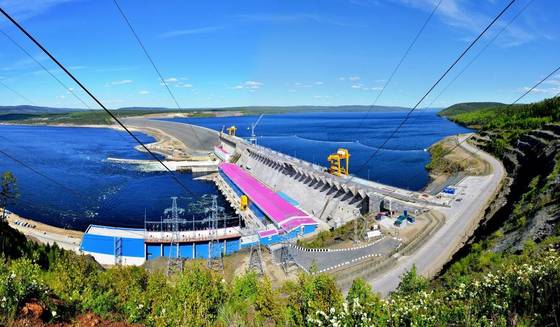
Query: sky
[{"x": 279, "y": 53}]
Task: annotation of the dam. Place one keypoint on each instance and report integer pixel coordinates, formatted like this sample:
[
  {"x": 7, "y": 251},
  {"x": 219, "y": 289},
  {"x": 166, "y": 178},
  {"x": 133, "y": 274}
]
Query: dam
[{"x": 278, "y": 198}]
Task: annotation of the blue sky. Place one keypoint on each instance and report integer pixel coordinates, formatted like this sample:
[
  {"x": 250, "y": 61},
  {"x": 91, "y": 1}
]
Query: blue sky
[{"x": 300, "y": 52}]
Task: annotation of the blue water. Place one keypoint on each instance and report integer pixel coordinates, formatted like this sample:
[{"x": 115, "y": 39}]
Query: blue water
[
  {"x": 100, "y": 192},
  {"x": 313, "y": 136},
  {"x": 119, "y": 194}
]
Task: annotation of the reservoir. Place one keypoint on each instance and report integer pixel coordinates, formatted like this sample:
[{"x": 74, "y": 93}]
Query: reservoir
[{"x": 117, "y": 194}]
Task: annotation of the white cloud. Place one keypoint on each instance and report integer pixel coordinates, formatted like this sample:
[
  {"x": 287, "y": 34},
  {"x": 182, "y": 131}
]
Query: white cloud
[
  {"x": 543, "y": 90},
  {"x": 550, "y": 86},
  {"x": 318, "y": 83},
  {"x": 349, "y": 78},
  {"x": 250, "y": 85},
  {"x": 360, "y": 86},
  {"x": 322, "y": 96},
  {"x": 288, "y": 18},
  {"x": 144, "y": 92},
  {"x": 468, "y": 15},
  {"x": 29, "y": 8},
  {"x": 176, "y": 82},
  {"x": 192, "y": 31},
  {"x": 119, "y": 82}
]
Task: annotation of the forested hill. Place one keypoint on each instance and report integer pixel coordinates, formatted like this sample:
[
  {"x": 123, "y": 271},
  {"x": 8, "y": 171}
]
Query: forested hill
[
  {"x": 506, "y": 123},
  {"x": 460, "y": 108},
  {"x": 499, "y": 116}
]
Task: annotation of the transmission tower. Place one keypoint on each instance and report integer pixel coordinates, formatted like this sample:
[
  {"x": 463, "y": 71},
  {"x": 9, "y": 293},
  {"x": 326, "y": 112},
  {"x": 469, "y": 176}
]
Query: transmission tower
[
  {"x": 286, "y": 258},
  {"x": 215, "y": 258},
  {"x": 255, "y": 257},
  {"x": 174, "y": 262}
]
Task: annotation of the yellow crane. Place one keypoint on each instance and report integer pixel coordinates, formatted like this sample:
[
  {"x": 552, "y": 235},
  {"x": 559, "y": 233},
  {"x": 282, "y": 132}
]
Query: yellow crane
[
  {"x": 335, "y": 159},
  {"x": 231, "y": 130},
  {"x": 244, "y": 202}
]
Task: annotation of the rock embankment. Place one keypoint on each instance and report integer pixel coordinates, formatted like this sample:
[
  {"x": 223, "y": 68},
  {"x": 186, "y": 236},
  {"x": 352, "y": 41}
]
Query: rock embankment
[{"x": 528, "y": 206}]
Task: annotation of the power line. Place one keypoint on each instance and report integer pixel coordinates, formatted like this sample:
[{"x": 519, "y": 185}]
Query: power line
[
  {"x": 480, "y": 52},
  {"x": 401, "y": 61},
  {"x": 52, "y": 180},
  {"x": 534, "y": 86},
  {"x": 429, "y": 91},
  {"x": 506, "y": 107},
  {"x": 45, "y": 68},
  {"x": 434, "y": 85},
  {"x": 125, "y": 18},
  {"x": 94, "y": 98},
  {"x": 17, "y": 93}
]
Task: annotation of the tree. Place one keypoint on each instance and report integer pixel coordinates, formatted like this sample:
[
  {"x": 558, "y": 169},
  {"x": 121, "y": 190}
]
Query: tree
[
  {"x": 8, "y": 191},
  {"x": 411, "y": 282},
  {"x": 362, "y": 291}
]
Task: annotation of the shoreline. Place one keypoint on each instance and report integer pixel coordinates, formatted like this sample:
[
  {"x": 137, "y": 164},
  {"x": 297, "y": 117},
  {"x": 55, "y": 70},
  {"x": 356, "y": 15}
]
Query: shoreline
[
  {"x": 68, "y": 239},
  {"x": 459, "y": 155}
]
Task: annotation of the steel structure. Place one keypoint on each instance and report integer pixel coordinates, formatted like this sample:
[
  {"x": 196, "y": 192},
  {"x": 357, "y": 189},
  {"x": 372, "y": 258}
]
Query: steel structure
[
  {"x": 215, "y": 254},
  {"x": 255, "y": 256},
  {"x": 174, "y": 261},
  {"x": 253, "y": 138},
  {"x": 286, "y": 258}
]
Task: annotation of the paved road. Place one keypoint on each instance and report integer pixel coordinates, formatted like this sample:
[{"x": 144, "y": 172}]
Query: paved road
[
  {"x": 461, "y": 218},
  {"x": 326, "y": 260},
  {"x": 199, "y": 140}
]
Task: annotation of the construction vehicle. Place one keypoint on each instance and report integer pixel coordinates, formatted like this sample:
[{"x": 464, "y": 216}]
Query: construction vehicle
[
  {"x": 244, "y": 202},
  {"x": 339, "y": 162},
  {"x": 231, "y": 130}
]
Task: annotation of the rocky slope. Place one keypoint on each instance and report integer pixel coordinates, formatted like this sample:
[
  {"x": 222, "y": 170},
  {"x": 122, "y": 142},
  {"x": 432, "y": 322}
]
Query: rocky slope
[{"x": 528, "y": 207}]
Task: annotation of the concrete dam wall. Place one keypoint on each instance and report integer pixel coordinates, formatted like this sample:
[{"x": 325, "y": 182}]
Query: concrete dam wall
[{"x": 333, "y": 200}]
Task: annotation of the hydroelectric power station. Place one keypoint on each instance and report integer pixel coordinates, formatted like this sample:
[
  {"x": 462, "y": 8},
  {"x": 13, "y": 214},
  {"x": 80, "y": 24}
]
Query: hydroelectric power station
[{"x": 278, "y": 198}]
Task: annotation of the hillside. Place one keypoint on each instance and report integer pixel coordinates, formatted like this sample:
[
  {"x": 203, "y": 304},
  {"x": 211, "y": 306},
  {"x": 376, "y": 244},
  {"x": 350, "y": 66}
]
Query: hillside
[
  {"x": 48, "y": 285},
  {"x": 507, "y": 123},
  {"x": 460, "y": 108},
  {"x": 33, "y": 110}
]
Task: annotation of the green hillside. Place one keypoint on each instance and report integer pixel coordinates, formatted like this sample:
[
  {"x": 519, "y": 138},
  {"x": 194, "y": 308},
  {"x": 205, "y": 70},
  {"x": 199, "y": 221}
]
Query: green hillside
[
  {"x": 487, "y": 289},
  {"x": 460, "y": 108},
  {"x": 507, "y": 123}
]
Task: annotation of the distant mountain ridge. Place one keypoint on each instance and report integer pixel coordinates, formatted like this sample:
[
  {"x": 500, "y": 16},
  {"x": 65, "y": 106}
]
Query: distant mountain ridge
[
  {"x": 38, "y": 110},
  {"x": 34, "y": 110}
]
